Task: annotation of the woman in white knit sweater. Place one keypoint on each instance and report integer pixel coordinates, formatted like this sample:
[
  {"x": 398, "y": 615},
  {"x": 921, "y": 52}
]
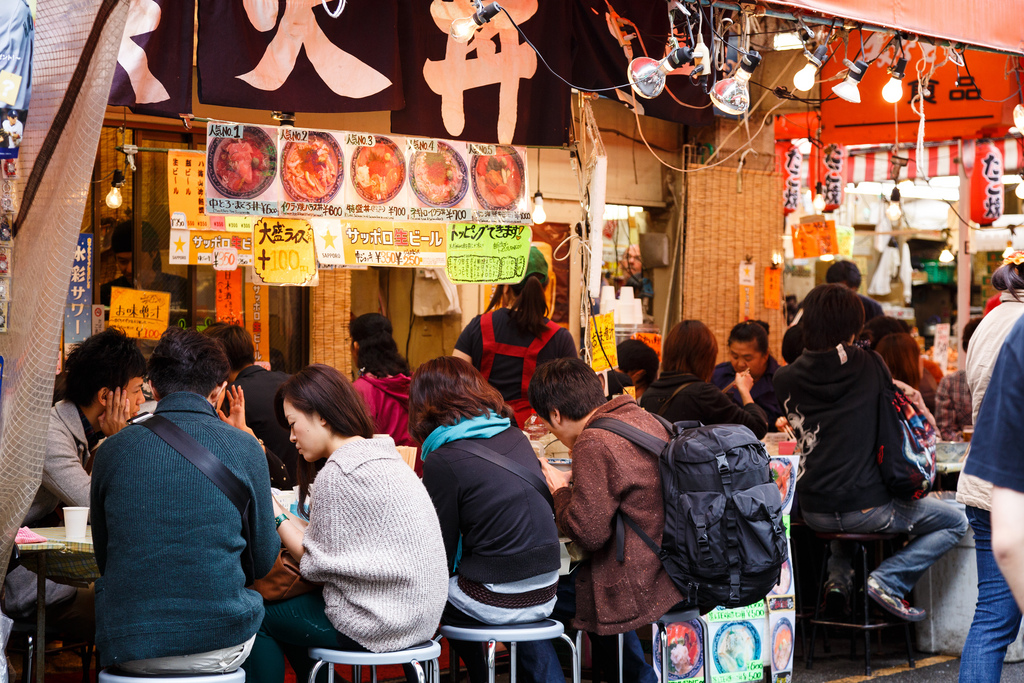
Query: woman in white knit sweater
[{"x": 373, "y": 539}]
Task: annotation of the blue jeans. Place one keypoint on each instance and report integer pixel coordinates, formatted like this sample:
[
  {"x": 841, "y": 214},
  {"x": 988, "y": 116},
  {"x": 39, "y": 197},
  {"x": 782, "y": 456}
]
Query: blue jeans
[
  {"x": 936, "y": 525},
  {"x": 996, "y": 618},
  {"x": 540, "y": 660}
]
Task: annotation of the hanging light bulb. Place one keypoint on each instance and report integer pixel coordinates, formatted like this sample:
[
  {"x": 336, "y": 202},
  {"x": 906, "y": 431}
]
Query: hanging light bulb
[
  {"x": 463, "y": 29},
  {"x": 805, "y": 77},
  {"x": 892, "y": 92},
  {"x": 732, "y": 95},
  {"x": 1008, "y": 252},
  {"x": 946, "y": 256},
  {"x": 647, "y": 76},
  {"x": 539, "y": 215},
  {"x": 906, "y": 185},
  {"x": 819, "y": 198},
  {"x": 894, "y": 211},
  {"x": 849, "y": 89},
  {"x": 114, "y": 198},
  {"x": 1018, "y": 117}
]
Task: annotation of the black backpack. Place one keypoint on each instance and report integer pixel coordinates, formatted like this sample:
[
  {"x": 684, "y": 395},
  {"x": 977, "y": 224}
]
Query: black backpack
[{"x": 724, "y": 541}]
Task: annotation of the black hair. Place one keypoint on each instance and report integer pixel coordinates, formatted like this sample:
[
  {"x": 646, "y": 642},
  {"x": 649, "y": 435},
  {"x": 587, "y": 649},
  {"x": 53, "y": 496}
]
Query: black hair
[
  {"x": 122, "y": 237},
  {"x": 185, "y": 360},
  {"x": 969, "y": 329},
  {"x": 793, "y": 343},
  {"x": 750, "y": 331},
  {"x": 237, "y": 344},
  {"x": 1008, "y": 278},
  {"x": 636, "y": 355},
  {"x": 378, "y": 353},
  {"x": 833, "y": 314},
  {"x": 880, "y": 327},
  {"x": 567, "y": 385},
  {"x": 108, "y": 360},
  {"x": 843, "y": 272},
  {"x": 530, "y": 307}
]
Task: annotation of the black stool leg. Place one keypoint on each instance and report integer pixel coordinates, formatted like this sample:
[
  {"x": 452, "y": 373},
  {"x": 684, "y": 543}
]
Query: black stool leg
[
  {"x": 910, "y": 647},
  {"x": 453, "y": 665},
  {"x": 26, "y": 663},
  {"x": 867, "y": 617},
  {"x": 817, "y": 605}
]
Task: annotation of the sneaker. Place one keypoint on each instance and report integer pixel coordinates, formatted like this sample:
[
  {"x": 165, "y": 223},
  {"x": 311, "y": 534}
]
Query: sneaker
[
  {"x": 892, "y": 604},
  {"x": 837, "y": 600}
]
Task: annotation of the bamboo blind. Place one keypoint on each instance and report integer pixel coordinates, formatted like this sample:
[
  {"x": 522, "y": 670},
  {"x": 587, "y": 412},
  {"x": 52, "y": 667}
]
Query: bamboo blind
[
  {"x": 731, "y": 215},
  {"x": 329, "y": 317}
]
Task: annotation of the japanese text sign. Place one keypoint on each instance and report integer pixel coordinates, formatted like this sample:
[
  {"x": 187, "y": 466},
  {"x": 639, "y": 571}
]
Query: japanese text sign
[
  {"x": 603, "y": 351},
  {"x": 283, "y": 251},
  {"x": 139, "y": 313},
  {"x": 987, "y": 184},
  {"x": 380, "y": 243},
  {"x": 835, "y": 163},
  {"x": 242, "y": 169},
  {"x": 257, "y": 306},
  {"x": 197, "y": 247},
  {"x": 78, "y": 313},
  {"x": 652, "y": 339},
  {"x": 811, "y": 240},
  {"x": 792, "y": 161},
  {"x": 773, "y": 288},
  {"x": 487, "y": 253},
  {"x": 229, "y": 297},
  {"x": 186, "y": 189}
]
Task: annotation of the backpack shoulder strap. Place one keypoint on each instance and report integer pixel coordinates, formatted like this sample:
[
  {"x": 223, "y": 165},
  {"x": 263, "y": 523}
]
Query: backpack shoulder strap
[
  {"x": 471, "y": 446},
  {"x": 200, "y": 456},
  {"x": 634, "y": 435},
  {"x": 672, "y": 396}
]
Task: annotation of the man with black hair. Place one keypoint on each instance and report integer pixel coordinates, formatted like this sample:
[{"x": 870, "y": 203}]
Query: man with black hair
[
  {"x": 748, "y": 351},
  {"x": 104, "y": 376},
  {"x": 150, "y": 277},
  {"x": 259, "y": 386},
  {"x": 609, "y": 474},
  {"x": 847, "y": 273},
  {"x": 171, "y": 598},
  {"x": 640, "y": 362}
]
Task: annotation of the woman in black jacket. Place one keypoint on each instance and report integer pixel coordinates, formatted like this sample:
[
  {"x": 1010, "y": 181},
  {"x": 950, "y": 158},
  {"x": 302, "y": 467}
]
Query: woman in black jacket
[{"x": 684, "y": 391}]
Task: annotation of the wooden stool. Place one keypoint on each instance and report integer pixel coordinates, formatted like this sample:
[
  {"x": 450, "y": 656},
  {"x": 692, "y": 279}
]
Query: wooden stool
[{"x": 864, "y": 622}]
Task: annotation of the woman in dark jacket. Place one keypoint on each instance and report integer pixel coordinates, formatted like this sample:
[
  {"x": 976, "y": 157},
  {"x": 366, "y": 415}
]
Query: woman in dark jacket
[
  {"x": 684, "y": 391},
  {"x": 498, "y": 529}
]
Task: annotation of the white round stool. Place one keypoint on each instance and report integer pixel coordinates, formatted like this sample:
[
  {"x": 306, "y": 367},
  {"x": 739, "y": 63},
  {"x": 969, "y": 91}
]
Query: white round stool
[
  {"x": 110, "y": 676},
  {"x": 417, "y": 655},
  {"x": 549, "y": 629}
]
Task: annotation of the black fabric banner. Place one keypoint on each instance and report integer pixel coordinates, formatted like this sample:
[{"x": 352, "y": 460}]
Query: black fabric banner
[
  {"x": 291, "y": 55},
  {"x": 495, "y": 89},
  {"x": 601, "y": 59},
  {"x": 154, "y": 63}
]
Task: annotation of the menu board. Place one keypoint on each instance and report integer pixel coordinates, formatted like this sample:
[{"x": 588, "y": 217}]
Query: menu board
[
  {"x": 139, "y": 313},
  {"x": 186, "y": 185},
  {"x": 377, "y": 185},
  {"x": 487, "y": 253},
  {"x": 383, "y": 243},
  {"x": 781, "y": 622},
  {"x": 737, "y": 642},
  {"x": 242, "y": 164},
  {"x": 312, "y": 172},
  {"x": 439, "y": 181},
  {"x": 283, "y": 251},
  {"x": 685, "y": 649},
  {"x": 498, "y": 174}
]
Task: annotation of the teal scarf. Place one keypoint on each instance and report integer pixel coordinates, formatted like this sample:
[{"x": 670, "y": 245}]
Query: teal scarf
[{"x": 480, "y": 427}]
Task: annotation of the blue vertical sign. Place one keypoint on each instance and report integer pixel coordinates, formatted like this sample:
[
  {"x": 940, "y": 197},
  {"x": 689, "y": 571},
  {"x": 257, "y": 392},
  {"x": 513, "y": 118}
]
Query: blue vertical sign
[{"x": 78, "y": 312}]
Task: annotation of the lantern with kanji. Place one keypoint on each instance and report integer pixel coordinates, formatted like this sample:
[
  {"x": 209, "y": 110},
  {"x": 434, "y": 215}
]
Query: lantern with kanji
[
  {"x": 791, "y": 161},
  {"x": 835, "y": 162},
  {"x": 987, "y": 184}
]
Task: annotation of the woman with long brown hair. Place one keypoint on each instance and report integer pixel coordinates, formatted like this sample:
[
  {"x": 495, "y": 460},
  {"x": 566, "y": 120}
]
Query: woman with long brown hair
[
  {"x": 902, "y": 356},
  {"x": 372, "y": 539},
  {"x": 500, "y": 538},
  {"x": 684, "y": 391}
]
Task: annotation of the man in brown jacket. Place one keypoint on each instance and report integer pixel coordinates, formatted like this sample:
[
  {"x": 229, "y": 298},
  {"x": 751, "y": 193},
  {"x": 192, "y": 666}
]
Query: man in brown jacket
[{"x": 608, "y": 474}]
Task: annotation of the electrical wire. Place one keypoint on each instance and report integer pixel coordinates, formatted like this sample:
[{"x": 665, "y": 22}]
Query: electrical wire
[{"x": 1015, "y": 94}]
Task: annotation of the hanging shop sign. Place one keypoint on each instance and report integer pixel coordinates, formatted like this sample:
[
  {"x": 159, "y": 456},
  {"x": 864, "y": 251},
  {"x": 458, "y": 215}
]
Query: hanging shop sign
[
  {"x": 382, "y": 243},
  {"x": 814, "y": 239},
  {"x": 283, "y": 252},
  {"x": 955, "y": 103},
  {"x": 186, "y": 187},
  {"x": 487, "y": 253},
  {"x": 139, "y": 313},
  {"x": 835, "y": 163},
  {"x": 652, "y": 339},
  {"x": 256, "y": 319},
  {"x": 987, "y": 184},
  {"x": 267, "y": 171},
  {"x": 77, "y": 310},
  {"x": 773, "y": 287},
  {"x": 229, "y": 297},
  {"x": 747, "y": 283},
  {"x": 603, "y": 352},
  {"x": 792, "y": 160},
  {"x": 197, "y": 247}
]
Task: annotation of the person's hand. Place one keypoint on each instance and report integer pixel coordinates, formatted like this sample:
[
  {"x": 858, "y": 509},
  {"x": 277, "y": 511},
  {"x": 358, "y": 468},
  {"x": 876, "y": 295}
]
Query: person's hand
[
  {"x": 556, "y": 478},
  {"x": 236, "y": 408},
  {"x": 118, "y": 412},
  {"x": 744, "y": 383},
  {"x": 278, "y": 508}
]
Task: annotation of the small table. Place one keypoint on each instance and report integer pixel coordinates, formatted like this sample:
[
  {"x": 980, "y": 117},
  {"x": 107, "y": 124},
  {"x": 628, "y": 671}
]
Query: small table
[{"x": 68, "y": 561}]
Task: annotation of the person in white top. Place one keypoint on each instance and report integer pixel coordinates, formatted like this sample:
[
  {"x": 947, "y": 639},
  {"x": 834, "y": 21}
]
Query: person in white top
[
  {"x": 13, "y": 128},
  {"x": 997, "y": 617}
]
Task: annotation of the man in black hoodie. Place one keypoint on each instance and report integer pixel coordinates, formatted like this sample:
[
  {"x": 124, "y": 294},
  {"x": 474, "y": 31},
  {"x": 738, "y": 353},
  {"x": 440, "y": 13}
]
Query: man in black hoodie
[{"x": 831, "y": 395}]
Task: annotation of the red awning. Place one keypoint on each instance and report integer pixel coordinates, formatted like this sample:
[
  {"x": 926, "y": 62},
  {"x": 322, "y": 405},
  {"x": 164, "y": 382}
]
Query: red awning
[{"x": 994, "y": 24}]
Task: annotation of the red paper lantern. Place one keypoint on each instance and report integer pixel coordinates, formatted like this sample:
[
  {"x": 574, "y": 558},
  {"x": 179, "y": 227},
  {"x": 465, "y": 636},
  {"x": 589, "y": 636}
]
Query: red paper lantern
[
  {"x": 791, "y": 162},
  {"x": 987, "y": 184},
  {"x": 835, "y": 165}
]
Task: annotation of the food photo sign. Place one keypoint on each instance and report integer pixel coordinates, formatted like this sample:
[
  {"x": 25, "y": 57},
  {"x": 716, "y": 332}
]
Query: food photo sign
[
  {"x": 242, "y": 170},
  {"x": 737, "y": 639}
]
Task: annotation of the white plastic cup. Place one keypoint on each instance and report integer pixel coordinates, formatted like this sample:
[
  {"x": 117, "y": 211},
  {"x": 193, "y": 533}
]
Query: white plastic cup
[
  {"x": 626, "y": 294},
  {"x": 76, "y": 520}
]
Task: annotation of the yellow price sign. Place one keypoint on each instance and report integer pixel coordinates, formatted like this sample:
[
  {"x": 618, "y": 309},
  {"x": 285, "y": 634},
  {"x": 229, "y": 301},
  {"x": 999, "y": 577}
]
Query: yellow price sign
[
  {"x": 283, "y": 251},
  {"x": 139, "y": 313},
  {"x": 602, "y": 342}
]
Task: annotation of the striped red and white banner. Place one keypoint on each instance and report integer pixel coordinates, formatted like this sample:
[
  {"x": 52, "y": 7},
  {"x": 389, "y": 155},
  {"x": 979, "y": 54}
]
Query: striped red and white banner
[{"x": 873, "y": 166}]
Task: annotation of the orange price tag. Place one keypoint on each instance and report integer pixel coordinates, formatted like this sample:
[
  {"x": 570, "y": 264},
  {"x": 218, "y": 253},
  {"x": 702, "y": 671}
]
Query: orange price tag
[
  {"x": 773, "y": 288},
  {"x": 229, "y": 296}
]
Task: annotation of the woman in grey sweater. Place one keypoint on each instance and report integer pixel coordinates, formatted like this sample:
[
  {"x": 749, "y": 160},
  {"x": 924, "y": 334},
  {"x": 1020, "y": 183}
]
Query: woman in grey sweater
[{"x": 373, "y": 539}]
